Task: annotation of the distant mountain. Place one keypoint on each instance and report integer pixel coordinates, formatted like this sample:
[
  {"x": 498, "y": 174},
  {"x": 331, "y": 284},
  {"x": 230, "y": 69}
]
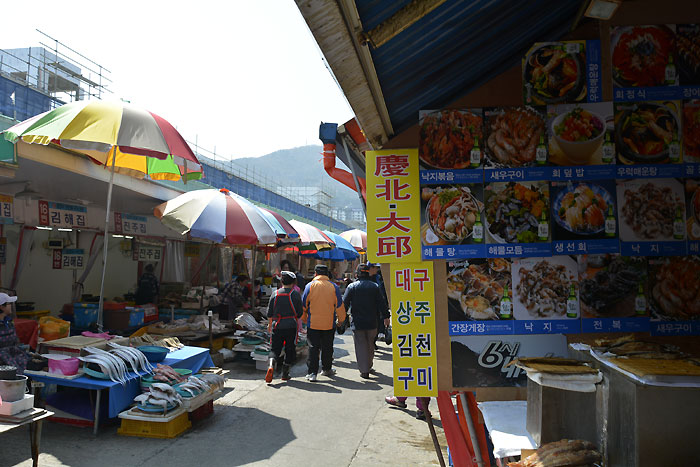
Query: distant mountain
[{"x": 302, "y": 166}]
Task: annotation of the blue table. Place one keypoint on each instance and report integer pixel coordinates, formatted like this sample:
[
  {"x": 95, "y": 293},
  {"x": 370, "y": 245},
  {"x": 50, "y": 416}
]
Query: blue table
[{"x": 120, "y": 397}]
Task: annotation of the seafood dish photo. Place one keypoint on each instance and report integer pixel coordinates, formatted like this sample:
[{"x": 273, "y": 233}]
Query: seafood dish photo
[
  {"x": 649, "y": 209},
  {"x": 641, "y": 56},
  {"x": 514, "y": 210},
  {"x": 645, "y": 131},
  {"x": 688, "y": 53},
  {"x": 451, "y": 211},
  {"x": 691, "y": 131},
  {"x": 553, "y": 72},
  {"x": 543, "y": 287},
  {"x": 447, "y": 138},
  {"x": 675, "y": 293},
  {"x": 581, "y": 208},
  {"x": 512, "y": 135},
  {"x": 610, "y": 289},
  {"x": 478, "y": 287}
]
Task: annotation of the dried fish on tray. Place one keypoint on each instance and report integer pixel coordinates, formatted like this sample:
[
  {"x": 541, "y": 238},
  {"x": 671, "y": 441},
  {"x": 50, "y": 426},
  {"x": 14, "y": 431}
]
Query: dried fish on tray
[{"x": 564, "y": 453}]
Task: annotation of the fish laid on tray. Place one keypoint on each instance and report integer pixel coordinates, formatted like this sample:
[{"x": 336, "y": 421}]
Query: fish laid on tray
[{"x": 564, "y": 453}]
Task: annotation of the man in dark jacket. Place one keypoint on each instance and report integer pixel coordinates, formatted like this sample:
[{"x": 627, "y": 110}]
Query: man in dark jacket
[
  {"x": 364, "y": 300},
  {"x": 147, "y": 291},
  {"x": 284, "y": 309}
]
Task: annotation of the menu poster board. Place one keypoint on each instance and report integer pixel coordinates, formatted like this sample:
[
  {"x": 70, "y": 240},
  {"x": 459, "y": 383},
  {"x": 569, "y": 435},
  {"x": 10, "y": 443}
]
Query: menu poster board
[
  {"x": 581, "y": 141},
  {"x": 692, "y": 214},
  {"x": 516, "y": 146},
  {"x": 655, "y": 62},
  {"x": 674, "y": 297},
  {"x": 480, "y": 296},
  {"x": 647, "y": 139},
  {"x": 567, "y": 71},
  {"x": 6, "y": 209},
  {"x": 613, "y": 293},
  {"x": 452, "y": 221},
  {"x": 413, "y": 324},
  {"x": 584, "y": 217},
  {"x": 651, "y": 217},
  {"x": 545, "y": 295},
  {"x": 517, "y": 219},
  {"x": 450, "y": 139},
  {"x": 482, "y": 361}
]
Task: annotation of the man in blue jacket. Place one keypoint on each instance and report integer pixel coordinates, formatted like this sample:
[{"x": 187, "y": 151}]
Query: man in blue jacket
[{"x": 367, "y": 307}]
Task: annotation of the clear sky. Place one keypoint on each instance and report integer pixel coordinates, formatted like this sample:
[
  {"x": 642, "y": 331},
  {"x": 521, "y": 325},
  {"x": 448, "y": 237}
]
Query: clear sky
[{"x": 245, "y": 77}]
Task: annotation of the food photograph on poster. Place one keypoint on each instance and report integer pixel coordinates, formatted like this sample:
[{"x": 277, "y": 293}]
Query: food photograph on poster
[
  {"x": 452, "y": 214},
  {"x": 555, "y": 72},
  {"x": 643, "y": 56},
  {"x": 479, "y": 289},
  {"x": 545, "y": 288},
  {"x": 515, "y": 137},
  {"x": 688, "y": 53},
  {"x": 651, "y": 209},
  {"x": 517, "y": 212},
  {"x": 450, "y": 139},
  {"x": 691, "y": 131},
  {"x": 584, "y": 210},
  {"x": 692, "y": 205},
  {"x": 581, "y": 134},
  {"x": 648, "y": 132},
  {"x": 612, "y": 286},
  {"x": 674, "y": 284}
]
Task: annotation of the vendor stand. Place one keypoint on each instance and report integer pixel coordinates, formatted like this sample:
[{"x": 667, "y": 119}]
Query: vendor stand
[{"x": 35, "y": 420}]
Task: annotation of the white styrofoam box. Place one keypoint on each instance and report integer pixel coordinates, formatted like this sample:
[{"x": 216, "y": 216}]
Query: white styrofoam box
[
  {"x": 261, "y": 364},
  {"x": 12, "y": 408}
]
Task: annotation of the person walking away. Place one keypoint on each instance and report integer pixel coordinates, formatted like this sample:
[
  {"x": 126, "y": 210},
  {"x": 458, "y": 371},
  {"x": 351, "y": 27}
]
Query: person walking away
[
  {"x": 375, "y": 275},
  {"x": 322, "y": 305},
  {"x": 148, "y": 288},
  {"x": 283, "y": 311},
  {"x": 364, "y": 302},
  {"x": 10, "y": 351},
  {"x": 232, "y": 295}
]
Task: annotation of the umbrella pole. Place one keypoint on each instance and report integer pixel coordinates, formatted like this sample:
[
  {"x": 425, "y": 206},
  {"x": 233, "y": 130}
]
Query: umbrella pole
[
  {"x": 104, "y": 246},
  {"x": 252, "y": 280}
]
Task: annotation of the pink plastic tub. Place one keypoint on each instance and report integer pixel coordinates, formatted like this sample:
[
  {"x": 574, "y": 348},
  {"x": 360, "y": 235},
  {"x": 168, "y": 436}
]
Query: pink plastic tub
[{"x": 63, "y": 364}]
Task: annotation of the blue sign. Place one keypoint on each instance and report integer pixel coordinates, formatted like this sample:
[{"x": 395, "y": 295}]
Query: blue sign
[
  {"x": 694, "y": 247},
  {"x": 582, "y": 247},
  {"x": 477, "y": 328},
  {"x": 593, "y": 71},
  {"x": 524, "y": 174},
  {"x": 650, "y": 171},
  {"x": 640, "y": 324},
  {"x": 454, "y": 251},
  {"x": 548, "y": 326},
  {"x": 661, "y": 93},
  {"x": 692, "y": 169},
  {"x": 675, "y": 328},
  {"x": 428, "y": 177},
  {"x": 586, "y": 172},
  {"x": 653, "y": 248},
  {"x": 518, "y": 250}
]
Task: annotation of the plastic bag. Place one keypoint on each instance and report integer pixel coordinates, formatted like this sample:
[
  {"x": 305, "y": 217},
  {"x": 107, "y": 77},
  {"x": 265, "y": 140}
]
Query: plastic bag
[
  {"x": 387, "y": 335},
  {"x": 51, "y": 328}
]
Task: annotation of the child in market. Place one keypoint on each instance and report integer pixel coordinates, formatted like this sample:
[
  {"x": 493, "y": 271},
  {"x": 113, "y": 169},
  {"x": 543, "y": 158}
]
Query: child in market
[{"x": 283, "y": 311}]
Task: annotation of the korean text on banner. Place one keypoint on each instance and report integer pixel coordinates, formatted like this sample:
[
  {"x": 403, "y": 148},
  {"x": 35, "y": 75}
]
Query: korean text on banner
[
  {"x": 393, "y": 206},
  {"x": 413, "y": 325}
]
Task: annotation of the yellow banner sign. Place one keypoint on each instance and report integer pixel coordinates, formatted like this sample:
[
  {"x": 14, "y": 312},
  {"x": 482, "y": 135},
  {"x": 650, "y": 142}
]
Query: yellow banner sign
[
  {"x": 413, "y": 329},
  {"x": 393, "y": 206}
]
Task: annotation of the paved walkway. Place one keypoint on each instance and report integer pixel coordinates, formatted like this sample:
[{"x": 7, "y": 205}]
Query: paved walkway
[{"x": 339, "y": 421}]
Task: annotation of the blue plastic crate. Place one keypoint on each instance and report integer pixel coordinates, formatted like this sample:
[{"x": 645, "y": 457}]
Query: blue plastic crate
[
  {"x": 136, "y": 316},
  {"x": 84, "y": 317}
]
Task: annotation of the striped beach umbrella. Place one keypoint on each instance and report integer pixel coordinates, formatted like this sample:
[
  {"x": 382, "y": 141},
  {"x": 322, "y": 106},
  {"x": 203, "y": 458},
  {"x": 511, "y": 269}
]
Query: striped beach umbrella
[
  {"x": 357, "y": 238},
  {"x": 343, "y": 250},
  {"x": 312, "y": 239}
]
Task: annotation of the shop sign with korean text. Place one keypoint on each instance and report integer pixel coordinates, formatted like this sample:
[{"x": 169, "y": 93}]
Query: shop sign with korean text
[
  {"x": 6, "y": 205},
  {"x": 73, "y": 258},
  {"x": 61, "y": 214},
  {"x": 413, "y": 328},
  {"x": 145, "y": 252},
  {"x": 129, "y": 224},
  {"x": 393, "y": 206}
]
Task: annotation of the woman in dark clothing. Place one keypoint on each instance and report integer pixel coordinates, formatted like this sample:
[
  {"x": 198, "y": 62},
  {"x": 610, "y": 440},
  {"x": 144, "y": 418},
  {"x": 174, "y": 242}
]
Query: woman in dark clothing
[{"x": 10, "y": 351}]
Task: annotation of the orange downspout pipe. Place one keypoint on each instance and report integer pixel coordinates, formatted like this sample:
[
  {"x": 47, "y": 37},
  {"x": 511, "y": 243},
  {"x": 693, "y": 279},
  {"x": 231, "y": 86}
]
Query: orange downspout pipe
[{"x": 343, "y": 176}]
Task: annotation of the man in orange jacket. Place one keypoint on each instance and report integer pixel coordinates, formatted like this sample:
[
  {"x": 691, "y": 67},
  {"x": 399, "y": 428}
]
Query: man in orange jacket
[{"x": 323, "y": 304}]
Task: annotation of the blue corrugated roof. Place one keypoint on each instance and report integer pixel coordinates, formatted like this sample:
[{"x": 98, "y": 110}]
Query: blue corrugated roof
[{"x": 456, "y": 48}]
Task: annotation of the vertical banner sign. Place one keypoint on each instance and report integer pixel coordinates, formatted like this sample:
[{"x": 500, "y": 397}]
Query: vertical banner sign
[
  {"x": 6, "y": 204},
  {"x": 3, "y": 250},
  {"x": 57, "y": 262},
  {"x": 413, "y": 324},
  {"x": 393, "y": 206},
  {"x": 118, "y": 223}
]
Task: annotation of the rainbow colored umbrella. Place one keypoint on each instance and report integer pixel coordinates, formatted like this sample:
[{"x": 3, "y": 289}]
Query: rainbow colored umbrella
[
  {"x": 343, "y": 250},
  {"x": 292, "y": 236},
  {"x": 126, "y": 138},
  {"x": 357, "y": 238},
  {"x": 312, "y": 239},
  {"x": 220, "y": 216}
]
